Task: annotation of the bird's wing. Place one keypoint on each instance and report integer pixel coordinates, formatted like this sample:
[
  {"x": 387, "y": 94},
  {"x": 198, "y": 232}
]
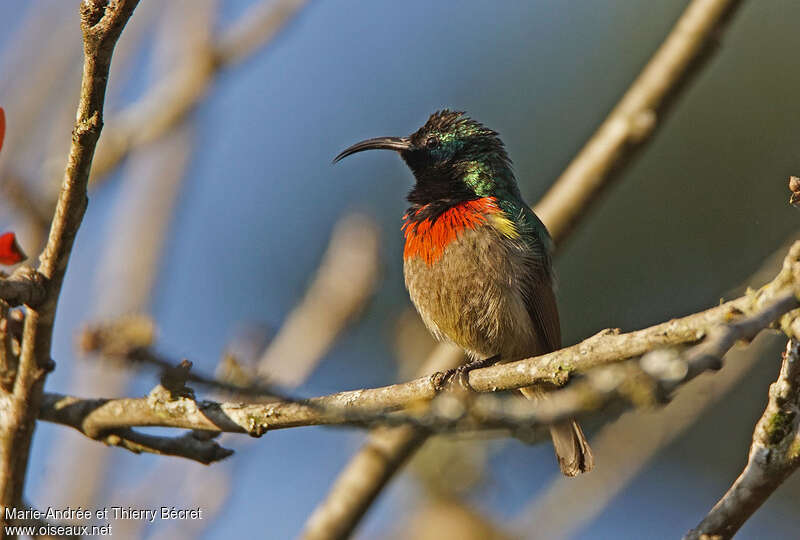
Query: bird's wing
[
  {"x": 537, "y": 281},
  {"x": 540, "y": 301}
]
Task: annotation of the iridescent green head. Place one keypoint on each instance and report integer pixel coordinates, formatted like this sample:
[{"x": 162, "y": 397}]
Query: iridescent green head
[{"x": 453, "y": 158}]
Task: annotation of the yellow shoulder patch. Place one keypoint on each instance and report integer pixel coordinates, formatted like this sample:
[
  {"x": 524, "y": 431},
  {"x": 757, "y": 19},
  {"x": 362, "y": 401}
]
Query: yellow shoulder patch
[{"x": 504, "y": 225}]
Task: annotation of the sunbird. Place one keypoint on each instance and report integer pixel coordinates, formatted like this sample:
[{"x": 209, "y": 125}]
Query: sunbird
[{"x": 477, "y": 261}]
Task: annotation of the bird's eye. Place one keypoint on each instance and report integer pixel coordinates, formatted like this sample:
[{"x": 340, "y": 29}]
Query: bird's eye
[{"x": 432, "y": 142}]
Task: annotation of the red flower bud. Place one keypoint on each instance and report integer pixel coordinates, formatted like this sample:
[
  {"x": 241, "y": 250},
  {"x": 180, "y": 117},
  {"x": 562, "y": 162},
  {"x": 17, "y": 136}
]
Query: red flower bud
[{"x": 10, "y": 252}]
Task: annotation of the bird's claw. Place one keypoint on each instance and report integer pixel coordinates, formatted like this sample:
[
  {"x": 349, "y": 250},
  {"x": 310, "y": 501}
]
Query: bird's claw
[
  {"x": 442, "y": 380},
  {"x": 447, "y": 380}
]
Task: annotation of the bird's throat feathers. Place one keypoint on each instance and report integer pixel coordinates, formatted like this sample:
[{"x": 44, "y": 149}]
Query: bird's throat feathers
[{"x": 428, "y": 230}]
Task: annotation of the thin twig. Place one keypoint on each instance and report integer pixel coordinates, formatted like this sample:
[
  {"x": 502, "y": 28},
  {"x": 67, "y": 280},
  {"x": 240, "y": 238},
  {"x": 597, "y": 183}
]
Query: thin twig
[
  {"x": 190, "y": 445},
  {"x": 102, "y": 24},
  {"x": 634, "y": 120},
  {"x": 362, "y": 479},
  {"x": 166, "y": 105},
  {"x": 172, "y": 99},
  {"x": 342, "y": 285},
  {"x": 128, "y": 340},
  {"x": 140, "y": 215},
  {"x": 372, "y": 467},
  {"x": 627, "y": 444},
  {"x": 774, "y": 455},
  {"x": 648, "y": 382},
  {"x": 24, "y": 286},
  {"x": 739, "y": 319}
]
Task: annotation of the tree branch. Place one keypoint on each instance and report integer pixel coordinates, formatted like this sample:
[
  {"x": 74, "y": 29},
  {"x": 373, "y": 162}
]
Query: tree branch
[
  {"x": 102, "y": 23},
  {"x": 660, "y": 374},
  {"x": 196, "y": 446},
  {"x": 141, "y": 215},
  {"x": 634, "y": 120},
  {"x": 129, "y": 340},
  {"x": 644, "y": 383},
  {"x": 558, "y": 510},
  {"x": 24, "y": 286},
  {"x": 373, "y": 466},
  {"x": 362, "y": 479},
  {"x": 774, "y": 455},
  {"x": 172, "y": 99},
  {"x": 344, "y": 282}
]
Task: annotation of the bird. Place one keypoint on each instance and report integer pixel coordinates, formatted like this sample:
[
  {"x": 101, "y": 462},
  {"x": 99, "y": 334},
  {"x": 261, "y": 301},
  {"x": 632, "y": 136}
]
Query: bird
[{"x": 477, "y": 261}]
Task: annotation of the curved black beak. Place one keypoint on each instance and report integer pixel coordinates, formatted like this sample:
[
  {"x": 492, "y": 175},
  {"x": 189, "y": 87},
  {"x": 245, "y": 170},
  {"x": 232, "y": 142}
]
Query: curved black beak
[{"x": 398, "y": 144}]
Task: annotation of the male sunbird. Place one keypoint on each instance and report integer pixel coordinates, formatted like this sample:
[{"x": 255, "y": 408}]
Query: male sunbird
[{"x": 477, "y": 260}]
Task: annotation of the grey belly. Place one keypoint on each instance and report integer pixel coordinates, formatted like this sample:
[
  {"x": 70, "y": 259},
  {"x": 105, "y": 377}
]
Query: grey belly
[{"x": 473, "y": 297}]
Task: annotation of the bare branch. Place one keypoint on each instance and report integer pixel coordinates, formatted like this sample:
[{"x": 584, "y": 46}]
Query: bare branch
[
  {"x": 256, "y": 27},
  {"x": 387, "y": 449},
  {"x": 648, "y": 382},
  {"x": 102, "y": 24},
  {"x": 372, "y": 467},
  {"x": 659, "y": 375},
  {"x": 173, "y": 98},
  {"x": 140, "y": 215},
  {"x": 634, "y": 120},
  {"x": 196, "y": 446},
  {"x": 24, "y": 286},
  {"x": 774, "y": 455},
  {"x": 344, "y": 282},
  {"x": 362, "y": 479},
  {"x": 128, "y": 340},
  {"x": 191, "y": 445},
  {"x": 96, "y": 417},
  {"x": 559, "y": 510}
]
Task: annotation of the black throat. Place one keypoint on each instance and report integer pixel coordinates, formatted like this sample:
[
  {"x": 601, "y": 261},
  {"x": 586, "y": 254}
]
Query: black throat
[{"x": 436, "y": 191}]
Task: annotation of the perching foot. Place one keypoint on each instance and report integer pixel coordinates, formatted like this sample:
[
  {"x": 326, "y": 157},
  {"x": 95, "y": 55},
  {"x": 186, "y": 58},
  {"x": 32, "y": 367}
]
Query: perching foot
[{"x": 447, "y": 379}]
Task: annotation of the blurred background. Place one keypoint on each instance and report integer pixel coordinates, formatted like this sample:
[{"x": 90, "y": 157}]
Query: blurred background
[{"x": 216, "y": 211}]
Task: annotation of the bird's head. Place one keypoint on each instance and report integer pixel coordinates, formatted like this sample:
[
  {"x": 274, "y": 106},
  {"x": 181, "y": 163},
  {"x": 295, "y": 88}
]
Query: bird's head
[{"x": 453, "y": 158}]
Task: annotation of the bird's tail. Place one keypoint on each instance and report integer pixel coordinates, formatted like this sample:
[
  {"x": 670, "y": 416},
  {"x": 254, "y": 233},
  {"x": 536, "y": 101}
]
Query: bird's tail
[{"x": 572, "y": 448}]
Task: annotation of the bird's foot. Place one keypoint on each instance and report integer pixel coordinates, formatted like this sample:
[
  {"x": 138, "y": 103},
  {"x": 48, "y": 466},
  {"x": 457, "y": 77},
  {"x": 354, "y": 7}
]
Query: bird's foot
[{"x": 442, "y": 380}]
